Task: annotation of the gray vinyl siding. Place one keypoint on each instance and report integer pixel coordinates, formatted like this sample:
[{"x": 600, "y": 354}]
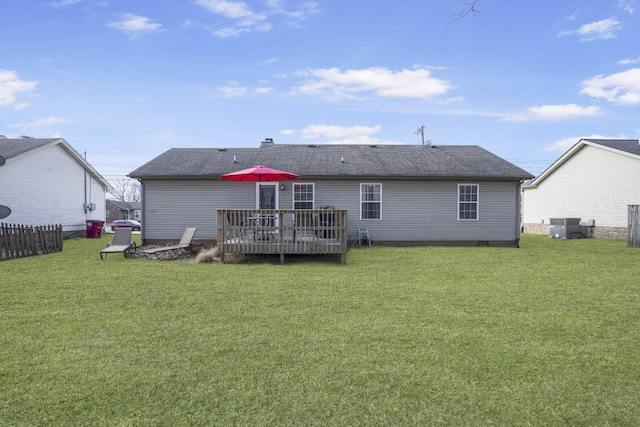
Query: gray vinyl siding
[
  {"x": 428, "y": 211},
  {"x": 170, "y": 206},
  {"x": 411, "y": 210},
  {"x": 594, "y": 183}
]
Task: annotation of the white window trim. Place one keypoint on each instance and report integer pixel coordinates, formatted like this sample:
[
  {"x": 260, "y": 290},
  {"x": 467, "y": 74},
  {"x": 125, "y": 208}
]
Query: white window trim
[
  {"x": 477, "y": 202},
  {"x": 293, "y": 194},
  {"x": 369, "y": 201}
]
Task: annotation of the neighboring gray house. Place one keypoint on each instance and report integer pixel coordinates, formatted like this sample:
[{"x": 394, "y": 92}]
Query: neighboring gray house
[
  {"x": 47, "y": 182},
  {"x": 117, "y": 209},
  {"x": 594, "y": 180},
  {"x": 412, "y": 193}
]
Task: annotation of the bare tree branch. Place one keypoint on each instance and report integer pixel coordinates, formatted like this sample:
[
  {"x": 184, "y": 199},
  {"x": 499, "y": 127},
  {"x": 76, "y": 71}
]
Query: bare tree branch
[
  {"x": 126, "y": 190},
  {"x": 470, "y": 9}
]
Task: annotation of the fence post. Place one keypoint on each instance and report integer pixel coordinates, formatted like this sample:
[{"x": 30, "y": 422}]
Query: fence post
[{"x": 634, "y": 226}]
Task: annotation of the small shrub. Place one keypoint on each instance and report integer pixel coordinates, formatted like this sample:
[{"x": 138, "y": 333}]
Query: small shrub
[{"x": 207, "y": 255}]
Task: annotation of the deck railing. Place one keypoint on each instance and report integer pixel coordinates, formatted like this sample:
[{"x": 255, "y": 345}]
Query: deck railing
[{"x": 282, "y": 231}]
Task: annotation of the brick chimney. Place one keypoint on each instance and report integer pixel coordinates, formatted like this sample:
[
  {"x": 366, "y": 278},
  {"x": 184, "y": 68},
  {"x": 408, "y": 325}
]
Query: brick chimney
[{"x": 267, "y": 142}]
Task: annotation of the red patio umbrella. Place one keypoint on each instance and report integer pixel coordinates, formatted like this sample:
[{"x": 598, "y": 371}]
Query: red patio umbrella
[{"x": 258, "y": 173}]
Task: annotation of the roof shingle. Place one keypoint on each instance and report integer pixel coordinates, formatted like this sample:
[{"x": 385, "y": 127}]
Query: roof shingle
[
  {"x": 335, "y": 161},
  {"x": 14, "y": 147}
]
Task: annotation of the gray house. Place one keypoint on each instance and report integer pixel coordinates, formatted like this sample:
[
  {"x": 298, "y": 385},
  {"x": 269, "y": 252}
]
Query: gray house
[
  {"x": 118, "y": 209},
  {"x": 421, "y": 194}
]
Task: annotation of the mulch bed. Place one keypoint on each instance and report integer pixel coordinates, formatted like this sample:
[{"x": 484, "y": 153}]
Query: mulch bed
[
  {"x": 182, "y": 255},
  {"x": 179, "y": 255}
]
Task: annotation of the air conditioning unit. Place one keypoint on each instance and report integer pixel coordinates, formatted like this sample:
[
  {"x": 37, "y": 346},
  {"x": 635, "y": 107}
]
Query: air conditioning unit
[{"x": 565, "y": 228}]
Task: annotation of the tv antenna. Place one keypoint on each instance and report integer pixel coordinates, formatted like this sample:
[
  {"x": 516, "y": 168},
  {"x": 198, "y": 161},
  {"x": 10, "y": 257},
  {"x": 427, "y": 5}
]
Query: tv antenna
[{"x": 420, "y": 132}]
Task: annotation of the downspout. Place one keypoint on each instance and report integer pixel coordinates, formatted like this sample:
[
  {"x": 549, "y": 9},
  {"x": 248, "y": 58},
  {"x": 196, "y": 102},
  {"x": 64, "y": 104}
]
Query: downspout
[
  {"x": 519, "y": 208},
  {"x": 142, "y": 210},
  {"x": 85, "y": 185}
]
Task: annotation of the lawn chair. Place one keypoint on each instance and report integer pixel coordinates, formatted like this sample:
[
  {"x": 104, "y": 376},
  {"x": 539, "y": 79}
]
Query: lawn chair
[
  {"x": 121, "y": 243},
  {"x": 363, "y": 237},
  {"x": 185, "y": 243}
]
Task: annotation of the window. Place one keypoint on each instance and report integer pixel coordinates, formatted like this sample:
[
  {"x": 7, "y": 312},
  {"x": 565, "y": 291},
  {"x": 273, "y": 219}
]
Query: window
[
  {"x": 468, "y": 201},
  {"x": 370, "y": 201},
  {"x": 303, "y": 197}
]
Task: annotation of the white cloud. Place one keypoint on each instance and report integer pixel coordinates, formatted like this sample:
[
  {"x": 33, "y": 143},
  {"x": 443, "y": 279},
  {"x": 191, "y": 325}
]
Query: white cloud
[
  {"x": 233, "y": 90},
  {"x": 44, "y": 127},
  {"x": 554, "y": 112},
  {"x": 135, "y": 25},
  {"x": 380, "y": 81},
  {"x": 270, "y": 61},
  {"x": 627, "y": 6},
  {"x": 10, "y": 85},
  {"x": 227, "y": 8},
  {"x": 332, "y": 131},
  {"x": 451, "y": 100},
  {"x": 295, "y": 17},
  {"x": 598, "y": 30},
  {"x": 628, "y": 61},
  {"x": 621, "y": 88},
  {"x": 246, "y": 20},
  {"x": 566, "y": 143},
  {"x": 64, "y": 3},
  {"x": 45, "y": 121},
  {"x": 333, "y": 134},
  {"x": 360, "y": 139}
]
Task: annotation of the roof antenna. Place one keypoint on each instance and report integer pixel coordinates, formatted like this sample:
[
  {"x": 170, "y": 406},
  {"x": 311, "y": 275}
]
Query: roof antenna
[{"x": 420, "y": 131}]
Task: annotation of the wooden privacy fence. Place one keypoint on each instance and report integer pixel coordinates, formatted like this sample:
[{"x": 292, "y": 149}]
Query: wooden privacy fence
[
  {"x": 634, "y": 226},
  {"x": 18, "y": 241}
]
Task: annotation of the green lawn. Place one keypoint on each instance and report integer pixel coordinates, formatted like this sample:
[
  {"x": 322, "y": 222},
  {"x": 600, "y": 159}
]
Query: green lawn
[{"x": 548, "y": 334}]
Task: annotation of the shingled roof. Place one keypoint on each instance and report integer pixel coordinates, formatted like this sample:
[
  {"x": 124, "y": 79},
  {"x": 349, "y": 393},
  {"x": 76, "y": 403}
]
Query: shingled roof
[
  {"x": 14, "y": 147},
  {"x": 631, "y": 146},
  {"x": 623, "y": 146},
  {"x": 328, "y": 160}
]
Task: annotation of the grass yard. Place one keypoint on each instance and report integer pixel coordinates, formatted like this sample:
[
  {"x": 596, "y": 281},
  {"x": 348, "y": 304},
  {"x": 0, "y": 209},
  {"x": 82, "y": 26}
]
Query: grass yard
[{"x": 548, "y": 334}]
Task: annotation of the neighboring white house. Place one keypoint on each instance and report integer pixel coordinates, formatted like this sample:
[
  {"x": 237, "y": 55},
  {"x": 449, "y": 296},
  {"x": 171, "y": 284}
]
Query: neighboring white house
[
  {"x": 46, "y": 182},
  {"x": 597, "y": 179}
]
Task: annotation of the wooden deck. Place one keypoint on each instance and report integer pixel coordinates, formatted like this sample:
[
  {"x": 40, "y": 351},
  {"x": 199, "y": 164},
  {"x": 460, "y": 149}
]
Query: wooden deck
[{"x": 282, "y": 231}]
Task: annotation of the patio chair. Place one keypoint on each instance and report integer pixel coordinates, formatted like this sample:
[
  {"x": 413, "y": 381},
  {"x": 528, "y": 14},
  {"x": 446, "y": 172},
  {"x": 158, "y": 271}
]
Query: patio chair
[
  {"x": 121, "y": 243},
  {"x": 185, "y": 243},
  {"x": 363, "y": 237}
]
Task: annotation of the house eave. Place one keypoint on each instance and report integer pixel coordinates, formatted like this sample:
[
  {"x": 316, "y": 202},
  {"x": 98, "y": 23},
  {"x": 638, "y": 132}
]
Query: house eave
[{"x": 339, "y": 177}]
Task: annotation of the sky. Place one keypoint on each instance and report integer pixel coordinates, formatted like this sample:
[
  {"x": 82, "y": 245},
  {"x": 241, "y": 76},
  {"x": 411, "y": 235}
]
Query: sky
[{"x": 123, "y": 81}]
